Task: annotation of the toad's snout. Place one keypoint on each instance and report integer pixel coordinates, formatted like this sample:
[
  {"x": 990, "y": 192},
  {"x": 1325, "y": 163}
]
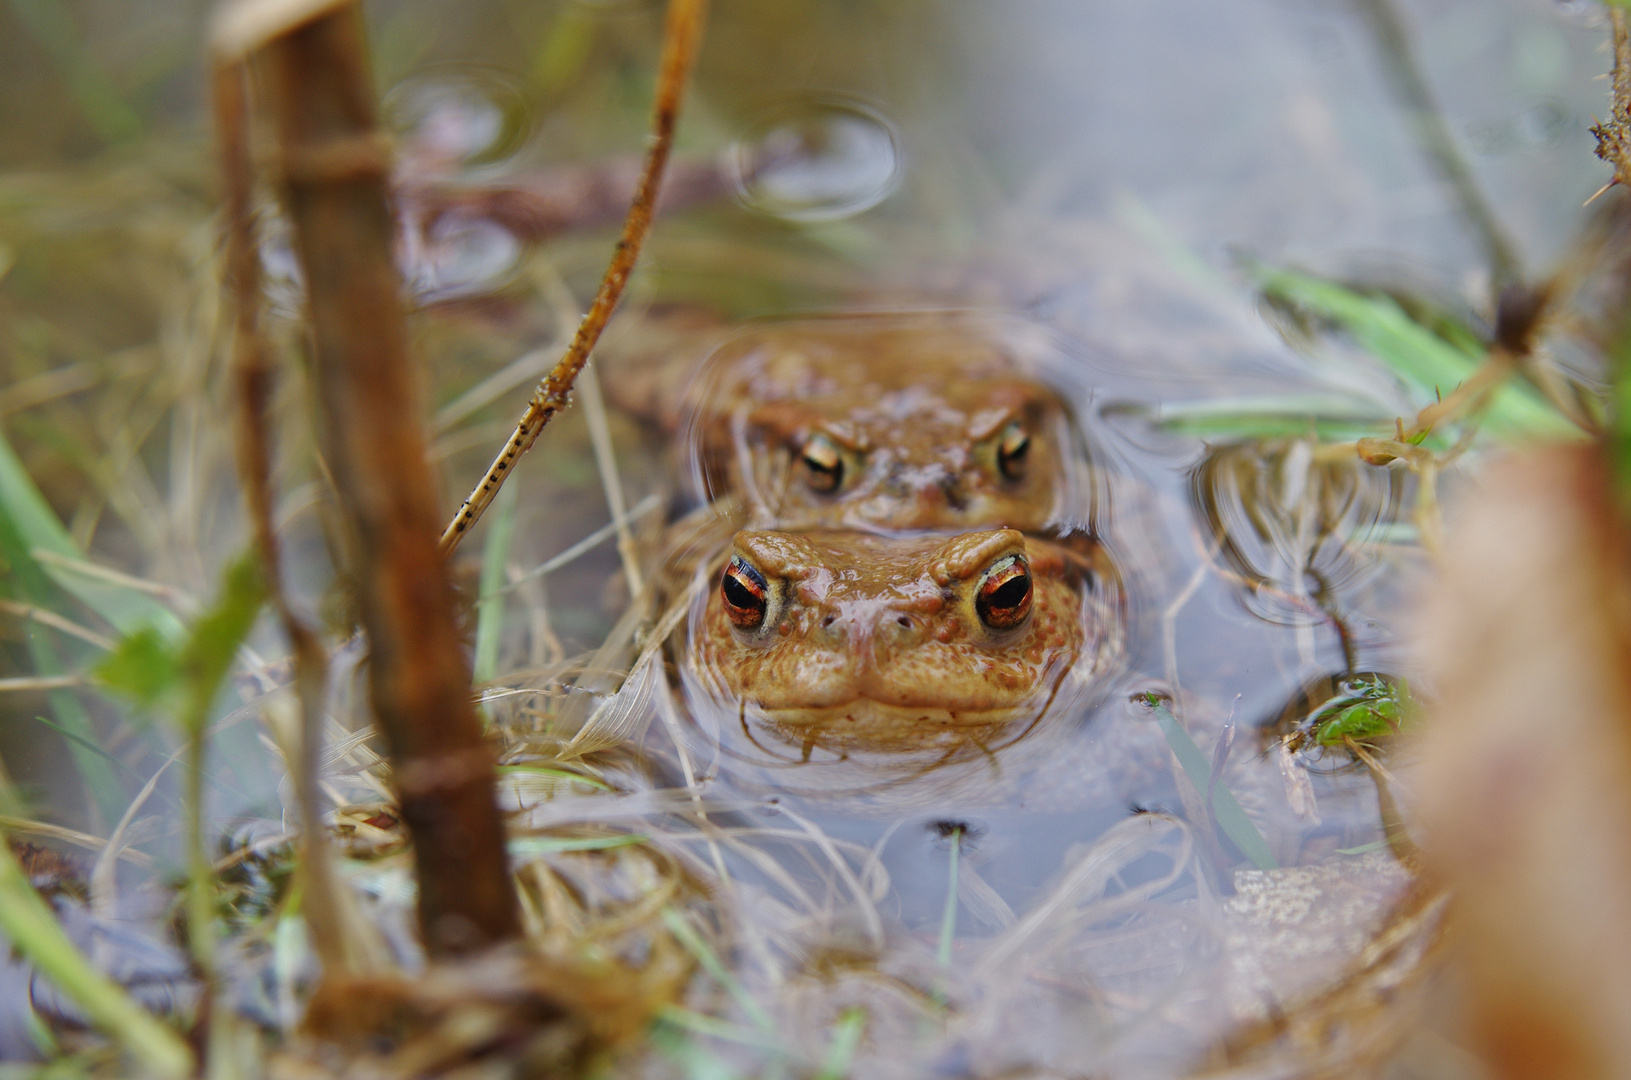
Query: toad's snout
[{"x": 872, "y": 631}]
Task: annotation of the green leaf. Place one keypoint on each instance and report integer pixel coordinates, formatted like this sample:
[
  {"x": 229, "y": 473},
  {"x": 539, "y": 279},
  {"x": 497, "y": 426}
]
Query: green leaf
[
  {"x": 152, "y": 672},
  {"x": 143, "y": 667},
  {"x": 1425, "y": 360},
  {"x": 216, "y": 636},
  {"x": 1231, "y": 817}
]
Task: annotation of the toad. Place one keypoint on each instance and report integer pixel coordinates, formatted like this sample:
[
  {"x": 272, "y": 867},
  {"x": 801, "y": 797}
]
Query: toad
[
  {"x": 877, "y": 424},
  {"x": 847, "y": 641}
]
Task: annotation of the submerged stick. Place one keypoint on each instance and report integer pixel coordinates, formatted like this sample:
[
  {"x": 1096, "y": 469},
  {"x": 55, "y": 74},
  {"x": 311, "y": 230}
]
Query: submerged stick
[
  {"x": 681, "y": 35},
  {"x": 335, "y": 167}
]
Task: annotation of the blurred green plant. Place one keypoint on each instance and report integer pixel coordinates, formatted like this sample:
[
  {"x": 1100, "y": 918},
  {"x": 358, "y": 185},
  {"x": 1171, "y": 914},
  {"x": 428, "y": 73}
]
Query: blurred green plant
[
  {"x": 183, "y": 679},
  {"x": 1230, "y": 816}
]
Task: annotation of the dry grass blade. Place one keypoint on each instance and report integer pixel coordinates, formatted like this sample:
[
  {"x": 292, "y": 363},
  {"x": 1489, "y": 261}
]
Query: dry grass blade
[{"x": 681, "y": 36}]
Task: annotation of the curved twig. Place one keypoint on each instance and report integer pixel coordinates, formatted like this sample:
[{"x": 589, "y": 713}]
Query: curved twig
[{"x": 681, "y": 35}]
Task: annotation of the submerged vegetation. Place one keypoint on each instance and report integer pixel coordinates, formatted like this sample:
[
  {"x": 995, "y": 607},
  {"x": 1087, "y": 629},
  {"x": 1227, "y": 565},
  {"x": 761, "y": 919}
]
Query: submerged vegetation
[{"x": 571, "y": 869}]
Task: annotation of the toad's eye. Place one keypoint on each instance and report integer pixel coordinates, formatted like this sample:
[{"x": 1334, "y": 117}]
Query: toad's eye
[
  {"x": 743, "y": 589},
  {"x": 823, "y": 464},
  {"x": 1004, "y": 599},
  {"x": 1012, "y": 451}
]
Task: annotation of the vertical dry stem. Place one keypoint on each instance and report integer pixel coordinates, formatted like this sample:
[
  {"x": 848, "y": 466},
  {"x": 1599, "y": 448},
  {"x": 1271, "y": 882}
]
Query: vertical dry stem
[
  {"x": 254, "y": 379},
  {"x": 681, "y": 35},
  {"x": 334, "y": 165}
]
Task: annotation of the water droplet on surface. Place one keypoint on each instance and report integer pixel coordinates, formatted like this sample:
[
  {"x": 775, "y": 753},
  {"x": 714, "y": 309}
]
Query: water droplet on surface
[
  {"x": 454, "y": 256},
  {"x": 457, "y": 115},
  {"x": 820, "y": 161},
  {"x": 1295, "y": 530}
]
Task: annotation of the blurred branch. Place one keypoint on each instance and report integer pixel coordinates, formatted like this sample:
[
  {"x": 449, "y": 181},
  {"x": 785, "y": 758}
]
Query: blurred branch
[
  {"x": 335, "y": 164},
  {"x": 1434, "y": 137},
  {"x": 254, "y": 379},
  {"x": 681, "y": 36},
  {"x": 1614, "y": 134}
]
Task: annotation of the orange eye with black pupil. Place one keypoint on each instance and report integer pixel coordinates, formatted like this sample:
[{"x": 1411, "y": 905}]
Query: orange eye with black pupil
[
  {"x": 743, "y": 590},
  {"x": 823, "y": 464},
  {"x": 1012, "y": 451},
  {"x": 1004, "y": 599}
]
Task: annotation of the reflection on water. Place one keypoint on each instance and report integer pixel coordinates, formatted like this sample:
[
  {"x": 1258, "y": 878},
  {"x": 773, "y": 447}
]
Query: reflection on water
[
  {"x": 820, "y": 160},
  {"x": 1293, "y": 522},
  {"x": 456, "y": 116},
  {"x": 443, "y": 258}
]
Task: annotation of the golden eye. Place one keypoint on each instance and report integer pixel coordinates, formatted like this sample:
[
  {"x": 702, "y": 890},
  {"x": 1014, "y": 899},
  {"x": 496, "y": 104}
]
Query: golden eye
[
  {"x": 1004, "y": 599},
  {"x": 743, "y": 590},
  {"x": 1012, "y": 450},
  {"x": 823, "y": 464}
]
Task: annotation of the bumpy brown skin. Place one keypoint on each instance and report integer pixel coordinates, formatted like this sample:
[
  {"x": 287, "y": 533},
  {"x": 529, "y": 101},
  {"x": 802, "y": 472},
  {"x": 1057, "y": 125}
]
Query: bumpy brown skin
[
  {"x": 917, "y": 416},
  {"x": 876, "y": 642}
]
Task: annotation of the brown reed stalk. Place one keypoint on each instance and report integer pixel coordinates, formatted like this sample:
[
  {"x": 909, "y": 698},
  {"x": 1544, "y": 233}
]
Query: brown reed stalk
[
  {"x": 682, "y": 33},
  {"x": 335, "y": 163},
  {"x": 254, "y": 379}
]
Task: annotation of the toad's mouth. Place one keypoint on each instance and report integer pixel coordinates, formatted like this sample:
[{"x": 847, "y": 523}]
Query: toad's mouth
[{"x": 865, "y": 724}]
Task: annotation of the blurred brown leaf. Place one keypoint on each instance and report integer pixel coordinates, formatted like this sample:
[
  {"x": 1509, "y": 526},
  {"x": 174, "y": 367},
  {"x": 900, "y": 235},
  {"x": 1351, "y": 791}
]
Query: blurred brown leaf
[{"x": 1524, "y": 788}]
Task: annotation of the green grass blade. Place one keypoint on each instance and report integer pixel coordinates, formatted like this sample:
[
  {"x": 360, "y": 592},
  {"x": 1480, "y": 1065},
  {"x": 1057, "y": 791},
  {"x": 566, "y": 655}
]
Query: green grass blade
[
  {"x": 1231, "y": 817},
  {"x": 713, "y": 1027},
  {"x": 548, "y": 845},
  {"x": 34, "y": 931},
  {"x": 38, "y": 527},
  {"x": 1416, "y": 354},
  {"x": 1330, "y": 418},
  {"x": 948, "y": 917},
  {"x": 687, "y": 936},
  {"x": 28, "y": 580},
  {"x": 673, "y": 1041},
  {"x": 846, "y": 1039}
]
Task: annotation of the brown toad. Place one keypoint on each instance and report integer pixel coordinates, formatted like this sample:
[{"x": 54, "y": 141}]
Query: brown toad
[
  {"x": 846, "y": 640},
  {"x": 877, "y": 423}
]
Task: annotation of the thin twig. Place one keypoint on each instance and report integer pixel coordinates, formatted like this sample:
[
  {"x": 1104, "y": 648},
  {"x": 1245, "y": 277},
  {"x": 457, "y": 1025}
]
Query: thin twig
[
  {"x": 681, "y": 36},
  {"x": 1434, "y": 137}
]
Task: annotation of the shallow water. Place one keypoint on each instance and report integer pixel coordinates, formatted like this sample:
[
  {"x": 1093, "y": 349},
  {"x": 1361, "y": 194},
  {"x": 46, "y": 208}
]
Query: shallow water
[{"x": 1084, "y": 179}]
